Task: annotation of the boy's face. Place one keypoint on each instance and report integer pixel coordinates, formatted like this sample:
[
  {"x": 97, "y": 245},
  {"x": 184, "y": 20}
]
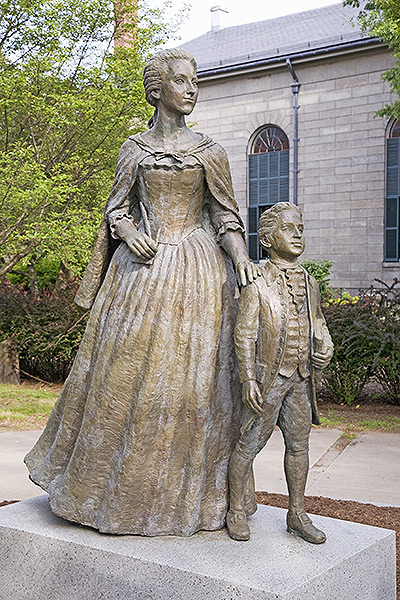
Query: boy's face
[{"x": 287, "y": 241}]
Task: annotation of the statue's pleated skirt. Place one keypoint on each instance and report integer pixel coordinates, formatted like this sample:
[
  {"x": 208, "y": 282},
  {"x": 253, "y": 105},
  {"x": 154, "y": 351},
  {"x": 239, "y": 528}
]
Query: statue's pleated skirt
[{"x": 140, "y": 437}]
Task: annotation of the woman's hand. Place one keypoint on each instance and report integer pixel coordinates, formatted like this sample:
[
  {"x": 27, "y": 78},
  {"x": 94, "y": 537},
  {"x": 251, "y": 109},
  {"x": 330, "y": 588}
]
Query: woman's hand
[
  {"x": 138, "y": 242},
  {"x": 246, "y": 271},
  {"x": 142, "y": 245}
]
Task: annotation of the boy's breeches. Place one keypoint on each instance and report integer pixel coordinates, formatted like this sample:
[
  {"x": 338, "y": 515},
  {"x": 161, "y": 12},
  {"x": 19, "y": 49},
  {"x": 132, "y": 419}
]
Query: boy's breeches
[{"x": 287, "y": 405}]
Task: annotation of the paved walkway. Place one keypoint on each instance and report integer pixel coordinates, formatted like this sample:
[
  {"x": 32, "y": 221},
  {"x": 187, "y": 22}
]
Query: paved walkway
[{"x": 367, "y": 469}]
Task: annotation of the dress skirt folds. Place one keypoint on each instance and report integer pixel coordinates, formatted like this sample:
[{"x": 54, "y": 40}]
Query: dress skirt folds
[{"x": 140, "y": 437}]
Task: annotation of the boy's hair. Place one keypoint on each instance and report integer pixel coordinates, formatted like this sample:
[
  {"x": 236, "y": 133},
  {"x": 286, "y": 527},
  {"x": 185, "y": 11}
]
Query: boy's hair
[{"x": 268, "y": 219}]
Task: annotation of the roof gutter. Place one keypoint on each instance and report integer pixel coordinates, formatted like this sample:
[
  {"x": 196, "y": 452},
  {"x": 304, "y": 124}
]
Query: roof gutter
[{"x": 265, "y": 63}]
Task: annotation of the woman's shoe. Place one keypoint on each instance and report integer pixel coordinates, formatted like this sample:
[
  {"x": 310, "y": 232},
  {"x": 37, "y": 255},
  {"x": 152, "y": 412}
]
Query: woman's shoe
[{"x": 236, "y": 523}]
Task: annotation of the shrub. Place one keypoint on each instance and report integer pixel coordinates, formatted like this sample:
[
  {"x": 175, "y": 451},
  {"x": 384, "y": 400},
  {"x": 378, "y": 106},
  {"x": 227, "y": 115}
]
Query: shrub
[
  {"x": 351, "y": 364},
  {"x": 386, "y": 367},
  {"x": 46, "y": 329},
  {"x": 320, "y": 270},
  {"x": 366, "y": 333}
]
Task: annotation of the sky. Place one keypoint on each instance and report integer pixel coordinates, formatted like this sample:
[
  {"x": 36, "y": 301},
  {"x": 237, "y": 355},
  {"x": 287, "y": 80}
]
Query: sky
[{"x": 239, "y": 12}]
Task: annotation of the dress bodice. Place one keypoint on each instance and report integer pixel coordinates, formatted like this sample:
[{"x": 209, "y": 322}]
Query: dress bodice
[{"x": 170, "y": 196}]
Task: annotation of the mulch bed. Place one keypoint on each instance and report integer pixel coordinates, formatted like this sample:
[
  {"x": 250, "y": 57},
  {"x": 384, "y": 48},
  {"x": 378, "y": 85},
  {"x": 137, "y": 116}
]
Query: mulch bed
[{"x": 387, "y": 517}]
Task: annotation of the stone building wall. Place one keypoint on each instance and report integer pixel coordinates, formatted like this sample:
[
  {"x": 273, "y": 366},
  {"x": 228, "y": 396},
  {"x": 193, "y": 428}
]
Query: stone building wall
[{"x": 342, "y": 148}]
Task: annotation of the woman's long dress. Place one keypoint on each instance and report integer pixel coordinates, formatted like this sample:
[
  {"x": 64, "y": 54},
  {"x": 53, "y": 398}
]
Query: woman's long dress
[{"x": 140, "y": 437}]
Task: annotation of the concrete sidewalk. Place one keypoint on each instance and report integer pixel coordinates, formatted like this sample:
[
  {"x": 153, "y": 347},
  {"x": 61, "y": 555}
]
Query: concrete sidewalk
[{"x": 367, "y": 469}]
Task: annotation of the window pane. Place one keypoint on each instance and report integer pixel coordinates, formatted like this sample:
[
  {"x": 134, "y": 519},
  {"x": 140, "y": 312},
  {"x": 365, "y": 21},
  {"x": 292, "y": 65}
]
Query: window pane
[
  {"x": 274, "y": 165},
  {"x": 264, "y": 197},
  {"x": 284, "y": 189},
  {"x": 395, "y": 133},
  {"x": 391, "y": 245},
  {"x": 253, "y": 246},
  {"x": 392, "y": 183},
  {"x": 274, "y": 191},
  {"x": 392, "y": 212},
  {"x": 270, "y": 139},
  {"x": 253, "y": 192},
  {"x": 253, "y": 221},
  {"x": 284, "y": 157},
  {"x": 393, "y": 153},
  {"x": 253, "y": 167},
  {"x": 263, "y": 162}
]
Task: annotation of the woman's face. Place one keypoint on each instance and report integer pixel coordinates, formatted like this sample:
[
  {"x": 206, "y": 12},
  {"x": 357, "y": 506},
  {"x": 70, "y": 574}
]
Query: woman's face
[{"x": 179, "y": 87}]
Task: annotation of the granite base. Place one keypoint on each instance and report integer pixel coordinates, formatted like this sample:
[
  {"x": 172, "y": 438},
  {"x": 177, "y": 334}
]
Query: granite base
[{"x": 46, "y": 558}]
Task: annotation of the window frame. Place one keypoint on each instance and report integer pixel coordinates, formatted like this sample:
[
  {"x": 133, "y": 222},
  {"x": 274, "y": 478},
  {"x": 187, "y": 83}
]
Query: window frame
[
  {"x": 392, "y": 196},
  {"x": 268, "y": 183}
]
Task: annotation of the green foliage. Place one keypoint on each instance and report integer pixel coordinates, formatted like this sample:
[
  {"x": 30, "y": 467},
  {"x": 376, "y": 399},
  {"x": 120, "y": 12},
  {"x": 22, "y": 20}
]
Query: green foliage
[
  {"x": 350, "y": 367},
  {"x": 45, "y": 329},
  {"x": 320, "y": 270},
  {"x": 366, "y": 334},
  {"x": 380, "y": 18},
  {"x": 386, "y": 366},
  {"x": 45, "y": 271},
  {"x": 67, "y": 103}
]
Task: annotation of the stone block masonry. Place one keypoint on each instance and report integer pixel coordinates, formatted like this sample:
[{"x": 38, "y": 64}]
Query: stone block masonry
[{"x": 342, "y": 150}]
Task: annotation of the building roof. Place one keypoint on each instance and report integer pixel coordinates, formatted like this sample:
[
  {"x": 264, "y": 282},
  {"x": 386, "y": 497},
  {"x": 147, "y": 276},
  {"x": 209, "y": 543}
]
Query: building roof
[{"x": 319, "y": 28}]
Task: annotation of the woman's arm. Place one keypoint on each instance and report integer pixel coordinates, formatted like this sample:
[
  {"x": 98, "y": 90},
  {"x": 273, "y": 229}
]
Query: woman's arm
[
  {"x": 121, "y": 223},
  {"x": 233, "y": 243},
  {"x": 224, "y": 212}
]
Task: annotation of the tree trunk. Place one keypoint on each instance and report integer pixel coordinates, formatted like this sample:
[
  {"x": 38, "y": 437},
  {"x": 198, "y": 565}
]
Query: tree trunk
[{"x": 9, "y": 363}]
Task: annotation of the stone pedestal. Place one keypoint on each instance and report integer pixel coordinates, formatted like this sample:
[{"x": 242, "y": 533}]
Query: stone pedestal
[{"x": 44, "y": 557}]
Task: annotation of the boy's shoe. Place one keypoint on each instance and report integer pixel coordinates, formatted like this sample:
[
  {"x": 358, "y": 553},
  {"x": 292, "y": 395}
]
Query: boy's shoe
[{"x": 301, "y": 524}]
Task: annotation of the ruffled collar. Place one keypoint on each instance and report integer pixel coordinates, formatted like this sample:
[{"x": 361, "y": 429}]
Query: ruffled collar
[{"x": 291, "y": 267}]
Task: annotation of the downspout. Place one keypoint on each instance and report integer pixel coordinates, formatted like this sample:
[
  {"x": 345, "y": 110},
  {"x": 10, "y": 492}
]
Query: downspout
[{"x": 295, "y": 90}]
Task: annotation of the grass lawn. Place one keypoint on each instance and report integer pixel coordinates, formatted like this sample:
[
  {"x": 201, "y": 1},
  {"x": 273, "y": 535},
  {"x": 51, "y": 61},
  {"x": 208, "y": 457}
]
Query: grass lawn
[
  {"x": 26, "y": 406},
  {"x": 364, "y": 418}
]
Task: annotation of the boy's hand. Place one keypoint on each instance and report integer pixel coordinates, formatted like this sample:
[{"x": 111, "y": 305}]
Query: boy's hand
[
  {"x": 320, "y": 360},
  {"x": 251, "y": 395}
]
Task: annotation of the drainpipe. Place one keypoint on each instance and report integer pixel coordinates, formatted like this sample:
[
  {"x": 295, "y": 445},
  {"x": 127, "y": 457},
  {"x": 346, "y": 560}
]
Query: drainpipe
[{"x": 295, "y": 90}]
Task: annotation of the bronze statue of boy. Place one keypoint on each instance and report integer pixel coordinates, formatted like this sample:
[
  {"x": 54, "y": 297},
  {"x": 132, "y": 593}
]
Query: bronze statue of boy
[{"x": 281, "y": 340}]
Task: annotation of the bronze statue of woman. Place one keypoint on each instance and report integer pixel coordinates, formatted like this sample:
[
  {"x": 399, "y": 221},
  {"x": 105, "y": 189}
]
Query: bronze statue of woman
[{"x": 140, "y": 437}]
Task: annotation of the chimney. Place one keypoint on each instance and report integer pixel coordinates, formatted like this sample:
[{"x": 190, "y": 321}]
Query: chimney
[
  {"x": 125, "y": 23},
  {"x": 215, "y": 17}
]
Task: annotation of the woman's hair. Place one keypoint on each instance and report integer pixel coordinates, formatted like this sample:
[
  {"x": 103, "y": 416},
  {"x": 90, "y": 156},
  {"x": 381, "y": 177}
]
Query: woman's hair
[
  {"x": 268, "y": 219},
  {"x": 155, "y": 68}
]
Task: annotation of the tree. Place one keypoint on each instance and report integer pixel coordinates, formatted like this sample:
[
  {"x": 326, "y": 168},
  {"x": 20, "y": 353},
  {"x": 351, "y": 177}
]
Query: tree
[
  {"x": 381, "y": 18},
  {"x": 67, "y": 102}
]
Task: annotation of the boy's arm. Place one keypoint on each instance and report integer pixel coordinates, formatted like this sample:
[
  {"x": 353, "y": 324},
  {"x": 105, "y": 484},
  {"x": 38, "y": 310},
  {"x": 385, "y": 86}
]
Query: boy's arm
[
  {"x": 246, "y": 331},
  {"x": 322, "y": 343}
]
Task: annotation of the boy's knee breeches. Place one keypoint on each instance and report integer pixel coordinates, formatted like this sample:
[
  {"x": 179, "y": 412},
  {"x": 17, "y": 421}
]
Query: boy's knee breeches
[{"x": 286, "y": 405}]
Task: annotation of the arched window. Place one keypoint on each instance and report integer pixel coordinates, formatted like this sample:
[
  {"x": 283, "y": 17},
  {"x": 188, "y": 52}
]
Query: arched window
[
  {"x": 392, "y": 208},
  {"x": 268, "y": 179}
]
